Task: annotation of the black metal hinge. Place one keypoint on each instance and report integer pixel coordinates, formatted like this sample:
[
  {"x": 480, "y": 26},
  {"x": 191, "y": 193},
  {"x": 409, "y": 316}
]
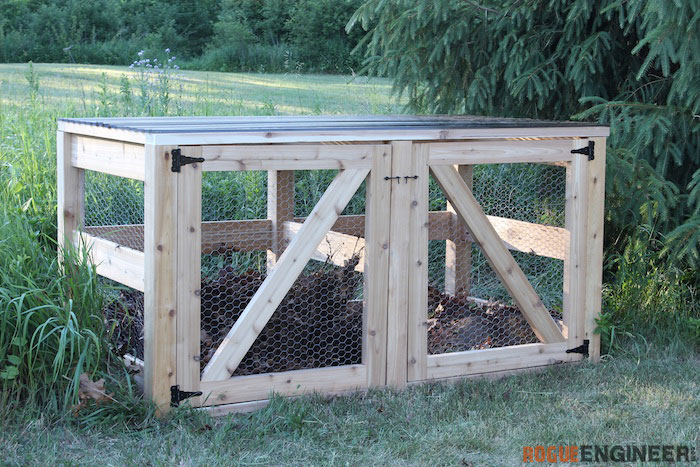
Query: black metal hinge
[
  {"x": 179, "y": 160},
  {"x": 582, "y": 349},
  {"x": 177, "y": 396},
  {"x": 587, "y": 150}
]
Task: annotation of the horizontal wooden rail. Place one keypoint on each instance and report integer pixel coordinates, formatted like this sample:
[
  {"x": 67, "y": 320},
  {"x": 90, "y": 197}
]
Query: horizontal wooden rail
[
  {"x": 114, "y": 261},
  {"x": 111, "y": 157},
  {"x": 336, "y": 248},
  {"x": 504, "y": 358},
  {"x": 297, "y": 382},
  {"x": 288, "y": 157},
  {"x": 499, "y": 152}
]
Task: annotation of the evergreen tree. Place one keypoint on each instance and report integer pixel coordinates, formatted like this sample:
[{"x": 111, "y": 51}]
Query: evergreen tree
[{"x": 633, "y": 64}]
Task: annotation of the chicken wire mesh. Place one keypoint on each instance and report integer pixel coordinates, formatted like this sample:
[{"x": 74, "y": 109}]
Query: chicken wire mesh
[
  {"x": 123, "y": 314},
  {"x": 319, "y": 322},
  {"x": 114, "y": 209},
  {"x": 468, "y": 306}
]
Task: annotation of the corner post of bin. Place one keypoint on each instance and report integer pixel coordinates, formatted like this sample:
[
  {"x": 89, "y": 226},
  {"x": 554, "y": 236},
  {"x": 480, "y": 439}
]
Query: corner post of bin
[
  {"x": 594, "y": 245},
  {"x": 458, "y": 253},
  {"x": 160, "y": 288},
  {"x": 280, "y": 209},
  {"x": 70, "y": 193}
]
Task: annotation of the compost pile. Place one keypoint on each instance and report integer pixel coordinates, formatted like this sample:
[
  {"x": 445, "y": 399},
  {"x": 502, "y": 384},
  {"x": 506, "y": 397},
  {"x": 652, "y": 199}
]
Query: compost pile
[{"x": 318, "y": 324}]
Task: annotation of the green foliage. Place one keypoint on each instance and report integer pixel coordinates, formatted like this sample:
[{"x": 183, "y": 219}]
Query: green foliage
[{"x": 220, "y": 35}]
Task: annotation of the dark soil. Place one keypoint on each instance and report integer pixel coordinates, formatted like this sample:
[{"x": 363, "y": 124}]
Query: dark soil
[{"x": 318, "y": 324}]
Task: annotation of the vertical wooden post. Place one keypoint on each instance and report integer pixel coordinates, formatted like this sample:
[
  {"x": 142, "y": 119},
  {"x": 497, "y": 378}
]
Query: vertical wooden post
[
  {"x": 160, "y": 294},
  {"x": 376, "y": 276},
  {"x": 189, "y": 259},
  {"x": 397, "y": 337},
  {"x": 458, "y": 252},
  {"x": 575, "y": 266},
  {"x": 594, "y": 245},
  {"x": 417, "y": 271},
  {"x": 280, "y": 208},
  {"x": 70, "y": 192}
]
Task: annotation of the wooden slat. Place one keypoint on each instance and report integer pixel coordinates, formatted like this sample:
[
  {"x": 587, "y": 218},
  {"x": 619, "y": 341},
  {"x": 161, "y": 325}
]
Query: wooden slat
[
  {"x": 376, "y": 267},
  {"x": 397, "y": 331},
  {"x": 114, "y": 261},
  {"x": 280, "y": 209},
  {"x": 70, "y": 193},
  {"x": 279, "y": 281},
  {"x": 242, "y": 235},
  {"x": 297, "y": 157},
  {"x": 501, "y": 260},
  {"x": 577, "y": 211},
  {"x": 594, "y": 246},
  {"x": 499, "y": 359},
  {"x": 407, "y": 134},
  {"x": 417, "y": 271},
  {"x": 107, "y": 156},
  {"x": 458, "y": 252},
  {"x": 189, "y": 277},
  {"x": 499, "y": 152},
  {"x": 288, "y": 383},
  {"x": 536, "y": 239},
  {"x": 160, "y": 295},
  {"x": 335, "y": 248}
]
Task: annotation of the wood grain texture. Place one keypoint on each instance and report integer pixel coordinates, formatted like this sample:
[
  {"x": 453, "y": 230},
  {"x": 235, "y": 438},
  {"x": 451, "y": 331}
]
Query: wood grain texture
[
  {"x": 160, "y": 297},
  {"x": 594, "y": 246},
  {"x": 458, "y": 252},
  {"x": 376, "y": 267},
  {"x": 107, "y": 156},
  {"x": 70, "y": 193},
  {"x": 113, "y": 261},
  {"x": 280, "y": 209}
]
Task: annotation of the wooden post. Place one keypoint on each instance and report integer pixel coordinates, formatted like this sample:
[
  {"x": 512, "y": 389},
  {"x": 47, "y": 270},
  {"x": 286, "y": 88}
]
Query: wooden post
[
  {"x": 70, "y": 193},
  {"x": 575, "y": 265},
  {"x": 417, "y": 270},
  {"x": 594, "y": 246},
  {"x": 397, "y": 330},
  {"x": 376, "y": 270},
  {"x": 280, "y": 208},
  {"x": 458, "y": 252},
  {"x": 189, "y": 276},
  {"x": 160, "y": 294}
]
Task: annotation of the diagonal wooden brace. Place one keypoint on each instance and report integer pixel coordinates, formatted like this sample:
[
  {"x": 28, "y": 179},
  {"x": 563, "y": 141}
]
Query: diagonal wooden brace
[
  {"x": 502, "y": 262},
  {"x": 288, "y": 268}
]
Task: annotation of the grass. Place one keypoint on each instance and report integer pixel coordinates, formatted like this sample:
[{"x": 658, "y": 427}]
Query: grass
[
  {"x": 620, "y": 401},
  {"x": 649, "y": 395}
]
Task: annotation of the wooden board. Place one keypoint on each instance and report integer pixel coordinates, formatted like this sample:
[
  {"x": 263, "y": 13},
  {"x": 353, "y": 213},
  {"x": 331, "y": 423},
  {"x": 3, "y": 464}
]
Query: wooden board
[
  {"x": 70, "y": 193},
  {"x": 499, "y": 359},
  {"x": 458, "y": 252},
  {"x": 502, "y": 262},
  {"x": 376, "y": 267},
  {"x": 107, "y": 156},
  {"x": 160, "y": 296},
  {"x": 335, "y": 248},
  {"x": 286, "y": 157},
  {"x": 189, "y": 277},
  {"x": 594, "y": 246},
  {"x": 417, "y": 267},
  {"x": 288, "y": 383},
  {"x": 276, "y": 285},
  {"x": 113, "y": 261},
  {"x": 280, "y": 209},
  {"x": 399, "y": 243},
  {"x": 498, "y": 152}
]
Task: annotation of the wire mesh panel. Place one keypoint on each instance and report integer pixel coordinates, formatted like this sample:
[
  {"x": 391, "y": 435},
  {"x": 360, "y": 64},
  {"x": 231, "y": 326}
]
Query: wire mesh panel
[
  {"x": 123, "y": 313},
  {"x": 468, "y": 306},
  {"x": 114, "y": 209},
  {"x": 319, "y": 321}
]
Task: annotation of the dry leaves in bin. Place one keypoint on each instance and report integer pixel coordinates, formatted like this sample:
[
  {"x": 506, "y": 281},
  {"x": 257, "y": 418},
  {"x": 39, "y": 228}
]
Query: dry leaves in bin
[{"x": 90, "y": 390}]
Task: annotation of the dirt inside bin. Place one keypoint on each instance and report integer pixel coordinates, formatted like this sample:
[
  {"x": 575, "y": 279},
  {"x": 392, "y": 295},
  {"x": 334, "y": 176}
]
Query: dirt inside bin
[{"x": 318, "y": 324}]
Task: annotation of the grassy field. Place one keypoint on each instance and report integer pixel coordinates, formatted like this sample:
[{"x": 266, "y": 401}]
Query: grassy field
[{"x": 645, "y": 395}]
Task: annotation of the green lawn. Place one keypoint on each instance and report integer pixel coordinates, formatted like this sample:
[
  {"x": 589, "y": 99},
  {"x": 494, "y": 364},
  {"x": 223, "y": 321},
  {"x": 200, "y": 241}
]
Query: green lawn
[{"x": 649, "y": 396}]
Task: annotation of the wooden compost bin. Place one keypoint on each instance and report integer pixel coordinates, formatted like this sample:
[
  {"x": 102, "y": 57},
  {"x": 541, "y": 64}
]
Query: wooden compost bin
[{"x": 333, "y": 254}]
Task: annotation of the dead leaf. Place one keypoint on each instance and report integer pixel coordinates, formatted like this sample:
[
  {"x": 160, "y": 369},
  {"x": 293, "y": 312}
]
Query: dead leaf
[{"x": 94, "y": 390}]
